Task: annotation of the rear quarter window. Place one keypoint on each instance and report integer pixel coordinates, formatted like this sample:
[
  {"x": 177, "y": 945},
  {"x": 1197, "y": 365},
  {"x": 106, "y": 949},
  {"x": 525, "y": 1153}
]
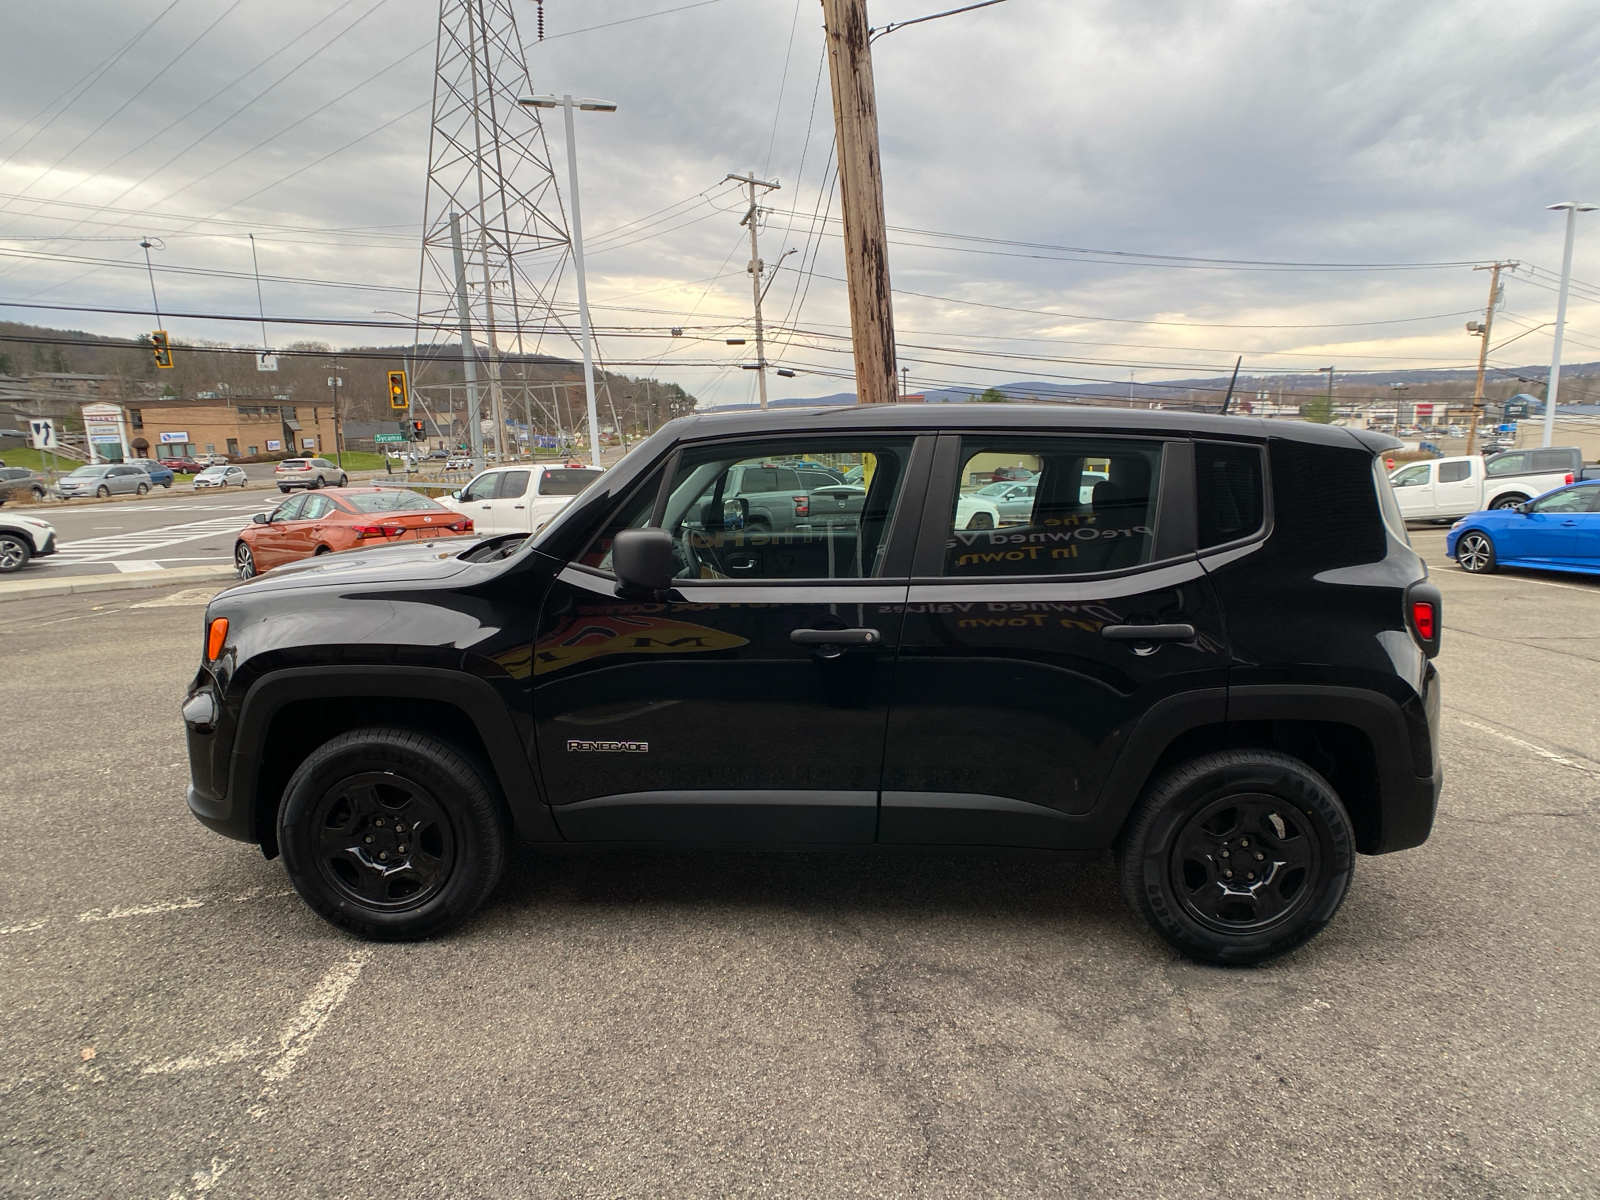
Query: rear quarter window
[{"x": 1325, "y": 505}]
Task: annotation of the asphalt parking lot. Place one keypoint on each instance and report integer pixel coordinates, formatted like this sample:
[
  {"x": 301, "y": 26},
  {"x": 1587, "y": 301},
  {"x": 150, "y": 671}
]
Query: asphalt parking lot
[{"x": 177, "y": 1024}]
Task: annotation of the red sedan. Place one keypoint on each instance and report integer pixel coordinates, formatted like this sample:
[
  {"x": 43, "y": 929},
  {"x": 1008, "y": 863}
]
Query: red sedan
[{"x": 340, "y": 519}]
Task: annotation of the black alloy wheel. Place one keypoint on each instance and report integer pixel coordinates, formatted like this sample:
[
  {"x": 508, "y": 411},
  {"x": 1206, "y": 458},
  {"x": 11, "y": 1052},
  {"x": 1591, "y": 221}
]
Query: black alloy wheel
[
  {"x": 1509, "y": 501},
  {"x": 1475, "y": 553},
  {"x": 1239, "y": 856},
  {"x": 103, "y": 492},
  {"x": 981, "y": 521},
  {"x": 391, "y": 834},
  {"x": 14, "y": 553},
  {"x": 244, "y": 562}
]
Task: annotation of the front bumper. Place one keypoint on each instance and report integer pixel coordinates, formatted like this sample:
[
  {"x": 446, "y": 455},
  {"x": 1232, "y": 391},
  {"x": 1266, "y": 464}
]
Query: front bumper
[{"x": 48, "y": 548}]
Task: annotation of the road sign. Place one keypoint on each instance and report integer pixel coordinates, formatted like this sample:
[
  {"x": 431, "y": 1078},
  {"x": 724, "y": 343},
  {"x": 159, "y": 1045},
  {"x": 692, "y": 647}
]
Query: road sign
[
  {"x": 43, "y": 432},
  {"x": 389, "y": 437},
  {"x": 266, "y": 361}
]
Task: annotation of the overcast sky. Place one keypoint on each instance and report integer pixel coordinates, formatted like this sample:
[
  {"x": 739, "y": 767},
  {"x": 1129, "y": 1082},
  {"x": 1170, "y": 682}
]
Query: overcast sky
[{"x": 1391, "y": 134}]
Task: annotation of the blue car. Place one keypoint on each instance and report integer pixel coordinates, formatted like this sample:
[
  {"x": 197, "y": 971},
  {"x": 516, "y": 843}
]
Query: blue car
[
  {"x": 1558, "y": 531},
  {"x": 158, "y": 471}
]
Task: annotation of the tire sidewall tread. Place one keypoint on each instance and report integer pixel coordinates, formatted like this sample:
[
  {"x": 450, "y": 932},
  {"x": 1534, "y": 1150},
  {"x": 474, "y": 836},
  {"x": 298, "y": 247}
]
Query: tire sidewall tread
[
  {"x": 1144, "y": 847},
  {"x": 479, "y": 820}
]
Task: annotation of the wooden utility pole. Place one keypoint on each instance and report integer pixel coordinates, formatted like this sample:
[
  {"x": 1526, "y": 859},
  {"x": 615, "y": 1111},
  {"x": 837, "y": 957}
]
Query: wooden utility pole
[
  {"x": 866, "y": 243},
  {"x": 1482, "y": 330}
]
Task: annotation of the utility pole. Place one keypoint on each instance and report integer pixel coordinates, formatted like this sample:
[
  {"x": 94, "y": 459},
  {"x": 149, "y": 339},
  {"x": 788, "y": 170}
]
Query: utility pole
[
  {"x": 338, "y": 426},
  {"x": 757, "y": 268},
  {"x": 866, "y": 243},
  {"x": 469, "y": 353},
  {"x": 1482, "y": 330}
]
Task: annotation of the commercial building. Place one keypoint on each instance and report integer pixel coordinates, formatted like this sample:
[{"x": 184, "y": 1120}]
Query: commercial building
[{"x": 236, "y": 427}]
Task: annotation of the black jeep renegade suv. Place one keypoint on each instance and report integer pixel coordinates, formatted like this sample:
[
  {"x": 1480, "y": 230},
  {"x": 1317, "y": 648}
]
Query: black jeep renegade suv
[{"x": 1206, "y": 647}]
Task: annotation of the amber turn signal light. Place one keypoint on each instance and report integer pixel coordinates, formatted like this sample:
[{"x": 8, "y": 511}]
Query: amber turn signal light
[{"x": 215, "y": 636}]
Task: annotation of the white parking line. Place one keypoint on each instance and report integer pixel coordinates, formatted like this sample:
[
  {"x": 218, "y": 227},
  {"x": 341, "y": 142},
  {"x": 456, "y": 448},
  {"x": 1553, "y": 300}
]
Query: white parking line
[
  {"x": 312, "y": 1018},
  {"x": 1539, "y": 750}
]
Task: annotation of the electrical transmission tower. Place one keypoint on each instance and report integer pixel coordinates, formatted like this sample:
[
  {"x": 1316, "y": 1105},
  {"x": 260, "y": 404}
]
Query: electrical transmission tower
[{"x": 494, "y": 231}]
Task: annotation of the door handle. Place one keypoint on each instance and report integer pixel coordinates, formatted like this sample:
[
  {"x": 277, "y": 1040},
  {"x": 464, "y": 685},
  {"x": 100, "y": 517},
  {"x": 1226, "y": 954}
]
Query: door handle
[
  {"x": 836, "y": 637},
  {"x": 519, "y": 506},
  {"x": 1569, "y": 524},
  {"x": 1148, "y": 633}
]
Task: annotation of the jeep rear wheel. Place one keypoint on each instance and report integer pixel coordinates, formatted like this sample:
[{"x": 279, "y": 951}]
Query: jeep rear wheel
[
  {"x": 1237, "y": 857},
  {"x": 391, "y": 834}
]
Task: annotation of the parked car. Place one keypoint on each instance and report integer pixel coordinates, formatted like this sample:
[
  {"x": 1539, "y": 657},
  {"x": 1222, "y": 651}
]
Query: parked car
[
  {"x": 459, "y": 463},
  {"x": 440, "y": 454},
  {"x": 158, "y": 471},
  {"x": 103, "y": 479},
  {"x": 518, "y": 499},
  {"x": 23, "y": 539},
  {"x": 21, "y": 479},
  {"x": 340, "y": 519},
  {"x": 185, "y": 466},
  {"x": 220, "y": 477},
  {"x": 1559, "y": 531},
  {"x": 212, "y": 460},
  {"x": 1013, "y": 500},
  {"x": 1446, "y": 488},
  {"x": 1219, "y": 668},
  {"x": 308, "y": 473},
  {"x": 1006, "y": 475}
]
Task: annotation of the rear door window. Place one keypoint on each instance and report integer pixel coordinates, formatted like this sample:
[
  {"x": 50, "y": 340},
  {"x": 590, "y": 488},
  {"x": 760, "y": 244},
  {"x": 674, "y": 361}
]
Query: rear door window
[
  {"x": 1093, "y": 508},
  {"x": 1230, "y": 492},
  {"x": 512, "y": 485},
  {"x": 1454, "y": 472}
]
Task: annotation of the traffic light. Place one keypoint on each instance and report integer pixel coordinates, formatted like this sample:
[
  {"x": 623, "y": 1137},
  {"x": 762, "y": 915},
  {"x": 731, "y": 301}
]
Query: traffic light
[
  {"x": 397, "y": 390},
  {"x": 162, "y": 348},
  {"x": 418, "y": 432}
]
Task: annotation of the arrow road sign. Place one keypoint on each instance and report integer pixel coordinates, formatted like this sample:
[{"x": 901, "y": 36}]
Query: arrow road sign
[{"x": 43, "y": 432}]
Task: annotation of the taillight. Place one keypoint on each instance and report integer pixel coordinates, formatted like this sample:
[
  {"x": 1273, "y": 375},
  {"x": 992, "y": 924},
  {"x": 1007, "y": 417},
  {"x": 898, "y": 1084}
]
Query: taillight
[
  {"x": 802, "y": 506},
  {"x": 1422, "y": 615},
  {"x": 463, "y": 526},
  {"x": 1424, "y": 606},
  {"x": 365, "y": 531},
  {"x": 1568, "y": 478}
]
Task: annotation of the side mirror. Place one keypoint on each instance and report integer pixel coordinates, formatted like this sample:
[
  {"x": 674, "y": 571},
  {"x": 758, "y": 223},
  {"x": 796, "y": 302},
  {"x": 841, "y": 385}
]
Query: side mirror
[
  {"x": 1522, "y": 508},
  {"x": 736, "y": 513},
  {"x": 642, "y": 560},
  {"x": 456, "y": 495},
  {"x": 261, "y": 518}
]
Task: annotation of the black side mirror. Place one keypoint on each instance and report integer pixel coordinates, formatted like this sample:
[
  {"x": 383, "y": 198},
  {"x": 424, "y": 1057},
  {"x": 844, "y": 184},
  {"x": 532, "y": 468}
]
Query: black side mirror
[
  {"x": 736, "y": 513},
  {"x": 642, "y": 560},
  {"x": 1522, "y": 508},
  {"x": 260, "y": 518}
]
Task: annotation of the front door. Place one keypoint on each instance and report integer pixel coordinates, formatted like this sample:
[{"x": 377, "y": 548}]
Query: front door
[
  {"x": 508, "y": 511},
  {"x": 1413, "y": 491},
  {"x": 1560, "y": 529},
  {"x": 747, "y": 705},
  {"x": 477, "y": 502},
  {"x": 1021, "y": 669},
  {"x": 271, "y": 545}
]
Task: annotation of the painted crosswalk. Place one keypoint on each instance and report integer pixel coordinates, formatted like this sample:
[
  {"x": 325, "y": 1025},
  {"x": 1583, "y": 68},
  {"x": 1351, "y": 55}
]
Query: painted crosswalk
[{"x": 117, "y": 545}]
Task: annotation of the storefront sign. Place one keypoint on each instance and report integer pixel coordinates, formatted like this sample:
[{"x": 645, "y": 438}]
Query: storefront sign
[
  {"x": 271, "y": 445},
  {"x": 171, "y": 439}
]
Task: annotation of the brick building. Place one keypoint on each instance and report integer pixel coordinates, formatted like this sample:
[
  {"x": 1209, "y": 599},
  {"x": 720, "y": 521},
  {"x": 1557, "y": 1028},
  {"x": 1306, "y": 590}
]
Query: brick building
[{"x": 236, "y": 427}]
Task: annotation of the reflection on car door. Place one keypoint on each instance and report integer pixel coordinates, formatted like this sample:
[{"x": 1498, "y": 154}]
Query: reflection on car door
[
  {"x": 304, "y": 533},
  {"x": 1011, "y": 700},
  {"x": 727, "y": 714}
]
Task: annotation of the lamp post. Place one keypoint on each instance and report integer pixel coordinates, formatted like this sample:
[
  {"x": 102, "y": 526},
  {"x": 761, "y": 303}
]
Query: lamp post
[
  {"x": 1572, "y": 209},
  {"x": 334, "y": 381},
  {"x": 1329, "y": 371},
  {"x": 587, "y": 105}
]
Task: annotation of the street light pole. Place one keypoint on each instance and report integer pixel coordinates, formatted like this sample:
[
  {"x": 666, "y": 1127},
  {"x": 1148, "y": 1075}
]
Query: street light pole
[
  {"x": 587, "y": 105},
  {"x": 1572, "y": 208}
]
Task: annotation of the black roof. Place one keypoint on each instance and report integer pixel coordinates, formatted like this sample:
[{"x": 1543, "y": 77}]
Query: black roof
[{"x": 1022, "y": 417}]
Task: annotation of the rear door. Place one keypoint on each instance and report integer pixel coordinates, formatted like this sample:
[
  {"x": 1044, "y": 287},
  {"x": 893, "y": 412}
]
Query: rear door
[
  {"x": 1458, "y": 486},
  {"x": 748, "y": 704},
  {"x": 1413, "y": 491},
  {"x": 1022, "y": 671},
  {"x": 304, "y": 535}
]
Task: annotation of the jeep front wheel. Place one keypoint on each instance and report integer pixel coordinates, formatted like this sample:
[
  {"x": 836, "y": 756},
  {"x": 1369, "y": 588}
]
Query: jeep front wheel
[
  {"x": 1237, "y": 857},
  {"x": 391, "y": 834}
]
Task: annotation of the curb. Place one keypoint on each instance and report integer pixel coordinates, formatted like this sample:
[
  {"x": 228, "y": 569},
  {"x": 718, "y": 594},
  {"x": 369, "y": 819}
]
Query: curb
[{"x": 33, "y": 589}]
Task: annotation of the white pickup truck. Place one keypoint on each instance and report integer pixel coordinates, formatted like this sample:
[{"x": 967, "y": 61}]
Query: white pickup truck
[
  {"x": 1446, "y": 488},
  {"x": 518, "y": 499}
]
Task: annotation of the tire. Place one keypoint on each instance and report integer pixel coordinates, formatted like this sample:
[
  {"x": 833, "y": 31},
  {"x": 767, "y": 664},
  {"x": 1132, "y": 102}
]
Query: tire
[
  {"x": 244, "y": 561},
  {"x": 1509, "y": 500},
  {"x": 321, "y": 550},
  {"x": 1475, "y": 553},
  {"x": 344, "y": 481},
  {"x": 103, "y": 492},
  {"x": 316, "y": 484},
  {"x": 142, "y": 489},
  {"x": 14, "y": 553},
  {"x": 981, "y": 521},
  {"x": 167, "y": 484},
  {"x": 39, "y": 495},
  {"x": 284, "y": 490},
  {"x": 372, "y": 793},
  {"x": 1198, "y": 819}
]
